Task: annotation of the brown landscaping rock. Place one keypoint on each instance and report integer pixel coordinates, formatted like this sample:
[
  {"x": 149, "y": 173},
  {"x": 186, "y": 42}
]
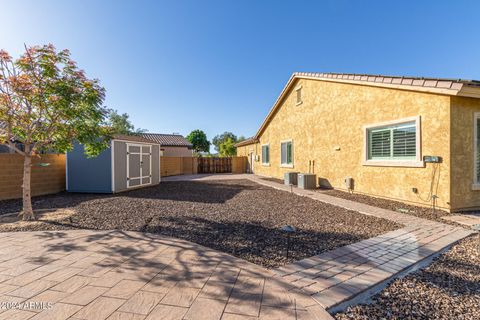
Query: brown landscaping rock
[
  {"x": 13, "y": 222},
  {"x": 447, "y": 289},
  {"x": 239, "y": 217}
]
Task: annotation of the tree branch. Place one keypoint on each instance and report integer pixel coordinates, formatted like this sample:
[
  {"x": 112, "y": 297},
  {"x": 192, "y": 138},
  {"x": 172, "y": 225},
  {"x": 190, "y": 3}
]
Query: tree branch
[{"x": 12, "y": 146}]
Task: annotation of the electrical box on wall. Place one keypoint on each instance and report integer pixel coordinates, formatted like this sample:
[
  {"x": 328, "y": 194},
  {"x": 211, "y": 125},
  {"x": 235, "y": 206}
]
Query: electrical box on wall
[
  {"x": 432, "y": 159},
  {"x": 349, "y": 183}
]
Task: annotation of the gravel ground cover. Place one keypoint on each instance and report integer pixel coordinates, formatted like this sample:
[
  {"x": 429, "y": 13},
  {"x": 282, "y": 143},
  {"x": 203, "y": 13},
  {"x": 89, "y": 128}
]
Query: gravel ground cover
[
  {"x": 239, "y": 217},
  {"x": 281, "y": 181},
  {"x": 421, "y": 212},
  {"x": 447, "y": 289}
]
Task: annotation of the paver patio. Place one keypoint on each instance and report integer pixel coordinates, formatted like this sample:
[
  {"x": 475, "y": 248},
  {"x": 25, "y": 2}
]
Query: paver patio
[{"x": 88, "y": 274}]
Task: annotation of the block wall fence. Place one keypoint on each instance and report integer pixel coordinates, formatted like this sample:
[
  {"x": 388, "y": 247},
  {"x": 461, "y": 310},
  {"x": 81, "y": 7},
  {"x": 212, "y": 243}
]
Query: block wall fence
[
  {"x": 45, "y": 179},
  {"x": 51, "y": 178}
]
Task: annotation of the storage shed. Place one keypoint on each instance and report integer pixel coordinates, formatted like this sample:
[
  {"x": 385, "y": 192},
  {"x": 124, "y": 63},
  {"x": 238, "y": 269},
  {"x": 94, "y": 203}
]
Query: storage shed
[{"x": 130, "y": 162}]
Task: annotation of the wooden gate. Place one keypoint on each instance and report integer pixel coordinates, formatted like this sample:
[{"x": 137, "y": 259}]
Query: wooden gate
[{"x": 214, "y": 165}]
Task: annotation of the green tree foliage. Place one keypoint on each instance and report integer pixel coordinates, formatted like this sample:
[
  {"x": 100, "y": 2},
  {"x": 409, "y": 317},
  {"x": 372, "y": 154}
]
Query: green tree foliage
[
  {"x": 199, "y": 140},
  {"x": 46, "y": 103},
  {"x": 227, "y": 148},
  {"x": 120, "y": 123},
  {"x": 221, "y": 138}
]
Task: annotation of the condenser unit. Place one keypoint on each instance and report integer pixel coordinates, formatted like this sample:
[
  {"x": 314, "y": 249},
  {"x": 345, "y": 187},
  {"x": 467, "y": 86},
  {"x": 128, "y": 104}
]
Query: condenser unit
[
  {"x": 307, "y": 180},
  {"x": 290, "y": 178}
]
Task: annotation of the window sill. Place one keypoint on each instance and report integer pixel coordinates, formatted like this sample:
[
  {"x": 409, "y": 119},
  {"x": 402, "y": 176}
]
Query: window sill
[
  {"x": 475, "y": 186},
  {"x": 266, "y": 164},
  {"x": 286, "y": 166},
  {"x": 298, "y": 103},
  {"x": 394, "y": 163}
]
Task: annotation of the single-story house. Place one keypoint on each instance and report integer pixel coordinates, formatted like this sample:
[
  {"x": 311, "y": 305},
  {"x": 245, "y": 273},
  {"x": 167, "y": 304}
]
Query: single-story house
[
  {"x": 171, "y": 145},
  {"x": 416, "y": 140},
  {"x": 130, "y": 162}
]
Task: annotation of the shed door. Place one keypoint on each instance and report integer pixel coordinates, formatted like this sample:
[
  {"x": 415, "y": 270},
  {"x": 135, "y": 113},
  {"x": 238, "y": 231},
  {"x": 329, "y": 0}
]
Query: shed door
[
  {"x": 139, "y": 165},
  {"x": 146, "y": 164}
]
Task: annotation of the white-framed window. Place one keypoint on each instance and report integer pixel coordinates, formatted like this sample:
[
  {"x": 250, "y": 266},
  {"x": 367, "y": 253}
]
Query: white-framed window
[
  {"x": 476, "y": 151},
  {"x": 298, "y": 95},
  {"x": 286, "y": 153},
  {"x": 266, "y": 154},
  {"x": 394, "y": 143}
]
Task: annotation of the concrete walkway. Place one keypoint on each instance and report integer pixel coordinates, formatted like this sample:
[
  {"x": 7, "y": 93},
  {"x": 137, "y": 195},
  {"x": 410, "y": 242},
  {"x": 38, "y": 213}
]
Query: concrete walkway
[
  {"x": 352, "y": 273},
  {"x": 207, "y": 177},
  {"x": 469, "y": 220},
  {"x": 85, "y": 274}
]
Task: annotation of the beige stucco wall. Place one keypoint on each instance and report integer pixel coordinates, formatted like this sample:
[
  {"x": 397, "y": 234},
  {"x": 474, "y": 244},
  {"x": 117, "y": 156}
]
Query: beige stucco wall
[
  {"x": 176, "y": 152},
  {"x": 334, "y": 114},
  {"x": 463, "y": 110}
]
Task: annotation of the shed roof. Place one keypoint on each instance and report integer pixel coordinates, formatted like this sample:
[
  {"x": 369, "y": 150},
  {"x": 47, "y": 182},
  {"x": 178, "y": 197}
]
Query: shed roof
[
  {"x": 168, "y": 140},
  {"x": 132, "y": 138}
]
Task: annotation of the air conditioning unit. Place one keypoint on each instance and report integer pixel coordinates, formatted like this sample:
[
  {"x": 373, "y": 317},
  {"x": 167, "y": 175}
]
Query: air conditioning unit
[
  {"x": 307, "y": 180},
  {"x": 290, "y": 178}
]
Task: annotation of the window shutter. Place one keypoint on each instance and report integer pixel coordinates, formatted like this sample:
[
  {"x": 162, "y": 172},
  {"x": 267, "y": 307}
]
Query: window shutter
[
  {"x": 266, "y": 154},
  {"x": 380, "y": 144},
  {"x": 286, "y": 149},
  {"x": 289, "y": 152},
  {"x": 404, "y": 142}
]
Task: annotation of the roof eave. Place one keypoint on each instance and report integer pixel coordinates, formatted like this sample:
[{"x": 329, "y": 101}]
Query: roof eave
[
  {"x": 245, "y": 143},
  {"x": 469, "y": 91},
  {"x": 176, "y": 145},
  {"x": 134, "y": 141}
]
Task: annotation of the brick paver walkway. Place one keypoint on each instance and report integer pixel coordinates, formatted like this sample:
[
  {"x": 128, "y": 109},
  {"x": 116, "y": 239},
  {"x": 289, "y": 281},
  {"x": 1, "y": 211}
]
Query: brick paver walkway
[
  {"x": 86, "y": 274},
  {"x": 335, "y": 277}
]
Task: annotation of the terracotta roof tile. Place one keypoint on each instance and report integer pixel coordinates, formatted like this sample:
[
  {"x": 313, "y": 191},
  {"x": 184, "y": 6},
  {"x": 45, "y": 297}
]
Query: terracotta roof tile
[
  {"x": 418, "y": 82},
  {"x": 455, "y": 84},
  {"x": 444, "y": 84},
  {"x": 168, "y": 140},
  {"x": 430, "y": 83},
  {"x": 132, "y": 138}
]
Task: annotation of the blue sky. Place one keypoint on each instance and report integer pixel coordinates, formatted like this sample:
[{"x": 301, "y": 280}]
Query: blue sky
[{"x": 175, "y": 66}]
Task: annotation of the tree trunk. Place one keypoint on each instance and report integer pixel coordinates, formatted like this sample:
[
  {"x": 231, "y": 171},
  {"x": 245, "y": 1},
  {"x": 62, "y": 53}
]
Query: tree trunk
[{"x": 27, "y": 195}]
